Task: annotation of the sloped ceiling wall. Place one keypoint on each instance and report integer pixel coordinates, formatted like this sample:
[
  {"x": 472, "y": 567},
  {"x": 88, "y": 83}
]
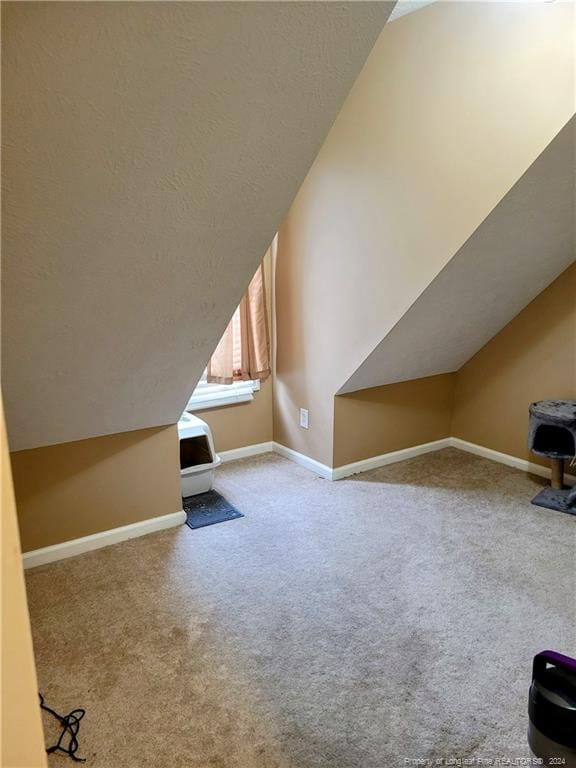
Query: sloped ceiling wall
[
  {"x": 455, "y": 103},
  {"x": 518, "y": 250},
  {"x": 150, "y": 153}
]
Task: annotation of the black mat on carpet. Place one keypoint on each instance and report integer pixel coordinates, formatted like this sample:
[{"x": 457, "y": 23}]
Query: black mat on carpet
[
  {"x": 207, "y": 509},
  {"x": 550, "y": 498}
]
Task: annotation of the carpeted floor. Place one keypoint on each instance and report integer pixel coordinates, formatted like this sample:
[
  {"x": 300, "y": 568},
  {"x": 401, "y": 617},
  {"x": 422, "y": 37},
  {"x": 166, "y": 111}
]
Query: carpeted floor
[{"x": 359, "y": 624}]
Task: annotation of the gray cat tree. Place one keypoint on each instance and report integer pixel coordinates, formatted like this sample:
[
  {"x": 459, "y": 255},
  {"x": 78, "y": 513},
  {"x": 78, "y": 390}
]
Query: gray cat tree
[{"x": 552, "y": 433}]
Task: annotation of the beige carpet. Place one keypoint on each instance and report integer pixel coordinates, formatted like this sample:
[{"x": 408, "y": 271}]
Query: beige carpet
[{"x": 356, "y": 624}]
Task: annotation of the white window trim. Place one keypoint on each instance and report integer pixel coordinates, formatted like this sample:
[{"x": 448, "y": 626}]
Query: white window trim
[{"x": 215, "y": 395}]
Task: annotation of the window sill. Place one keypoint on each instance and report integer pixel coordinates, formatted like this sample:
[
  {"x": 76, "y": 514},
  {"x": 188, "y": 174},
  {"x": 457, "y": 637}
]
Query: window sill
[{"x": 226, "y": 394}]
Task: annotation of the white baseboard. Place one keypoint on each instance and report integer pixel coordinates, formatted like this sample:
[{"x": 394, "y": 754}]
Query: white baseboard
[
  {"x": 507, "y": 459},
  {"x": 246, "y": 451},
  {"x": 305, "y": 461},
  {"x": 338, "y": 473},
  {"x": 105, "y": 538},
  {"x": 388, "y": 458},
  {"x": 99, "y": 540}
]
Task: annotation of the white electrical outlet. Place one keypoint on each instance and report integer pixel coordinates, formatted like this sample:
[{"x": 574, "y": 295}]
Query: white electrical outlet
[{"x": 304, "y": 418}]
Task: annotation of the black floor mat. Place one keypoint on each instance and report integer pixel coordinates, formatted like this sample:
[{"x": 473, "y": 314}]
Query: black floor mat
[
  {"x": 553, "y": 499},
  {"x": 207, "y": 509}
]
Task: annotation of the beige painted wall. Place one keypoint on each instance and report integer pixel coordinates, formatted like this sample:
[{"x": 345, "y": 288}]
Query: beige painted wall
[
  {"x": 525, "y": 243},
  {"x": 75, "y": 489},
  {"x": 436, "y": 130},
  {"x": 22, "y": 738},
  {"x": 384, "y": 419},
  {"x": 236, "y": 426},
  {"x": 533, "y": 358},
  {"x": 485, "y": 402},
  {"x": 304, "y": 377}
]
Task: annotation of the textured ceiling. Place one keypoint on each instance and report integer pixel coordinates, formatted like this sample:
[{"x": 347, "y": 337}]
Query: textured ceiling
[
  {"x": 150, "y": 152},
  {"x": 519, "y": 249}
]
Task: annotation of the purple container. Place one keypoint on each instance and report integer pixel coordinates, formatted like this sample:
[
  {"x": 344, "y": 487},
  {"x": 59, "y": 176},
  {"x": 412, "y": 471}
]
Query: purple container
[{"x": 552, "y": 709}]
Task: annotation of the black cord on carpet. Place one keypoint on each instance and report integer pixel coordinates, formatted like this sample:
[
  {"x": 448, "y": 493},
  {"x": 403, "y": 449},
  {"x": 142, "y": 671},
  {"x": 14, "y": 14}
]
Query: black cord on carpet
[{"x": 70, "y": 725}]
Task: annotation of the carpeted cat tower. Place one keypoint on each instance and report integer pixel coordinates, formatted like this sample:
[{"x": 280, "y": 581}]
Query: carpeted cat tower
[{"x": 552, "y": 433}]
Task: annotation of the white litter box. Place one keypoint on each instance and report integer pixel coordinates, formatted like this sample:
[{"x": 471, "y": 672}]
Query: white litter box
[{"x": 198, "y": 459}]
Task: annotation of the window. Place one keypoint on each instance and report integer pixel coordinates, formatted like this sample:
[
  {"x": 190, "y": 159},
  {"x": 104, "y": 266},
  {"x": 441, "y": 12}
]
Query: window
[
  {"x": 213, "y": 395},
  {"x": 241, "y": 359}
]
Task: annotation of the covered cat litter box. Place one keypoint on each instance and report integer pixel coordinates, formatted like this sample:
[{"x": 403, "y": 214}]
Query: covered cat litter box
[{"x": 198, "y": 459}]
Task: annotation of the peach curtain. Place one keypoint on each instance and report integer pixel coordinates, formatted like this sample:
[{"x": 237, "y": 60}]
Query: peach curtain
[{"x": 243, "y": 353}]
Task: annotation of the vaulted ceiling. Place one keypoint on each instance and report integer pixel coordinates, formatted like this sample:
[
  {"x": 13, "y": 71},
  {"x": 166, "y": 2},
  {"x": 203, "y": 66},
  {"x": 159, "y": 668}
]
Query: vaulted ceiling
[
  {"x": 150, "y": 153},
  {"x": 440, "y": 204},
  {"x": 516, "y": 252}
]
